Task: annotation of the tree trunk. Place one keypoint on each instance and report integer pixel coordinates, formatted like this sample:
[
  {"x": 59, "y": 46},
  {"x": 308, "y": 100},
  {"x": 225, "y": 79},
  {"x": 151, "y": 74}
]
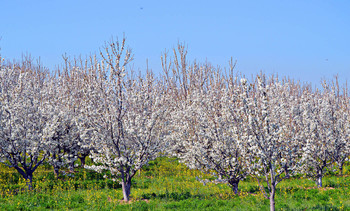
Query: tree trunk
[
  {"x": 126, "y": 186},
  {"x": 272, "y": 187},
  {"x": 272, "y": 198},
  {"x": 71, "y": 167},
  {"x": 27, "y": 174},
  {"x": 341, "y": 169},
  {"x": 56, "y": 170},
  {"x": 234, "y": 185},
  {"x": 319, "y": 178},
  {"x": 29, "y": 180},
  {"x": 319, "y": 181},
  {"x": 82, "y": 161}
]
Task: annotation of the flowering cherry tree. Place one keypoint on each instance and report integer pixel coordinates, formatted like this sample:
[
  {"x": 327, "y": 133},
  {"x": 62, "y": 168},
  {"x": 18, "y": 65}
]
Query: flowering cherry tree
[
  {"x": 274, "y": 153},
  {"x": 208, "y": 133},
  {"x": 23, "y": 97},
  {"x": 326, "y": 132},
  {"x": 339, "y": 122},
  {"x": 126, "y": 114}
]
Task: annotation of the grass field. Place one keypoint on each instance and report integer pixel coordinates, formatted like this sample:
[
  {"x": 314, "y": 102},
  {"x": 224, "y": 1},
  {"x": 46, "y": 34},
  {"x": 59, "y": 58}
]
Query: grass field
[{"x": 165, "y": 184}]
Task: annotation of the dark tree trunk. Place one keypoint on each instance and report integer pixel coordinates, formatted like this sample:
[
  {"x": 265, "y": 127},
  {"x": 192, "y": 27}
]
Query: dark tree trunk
[
  {"x": 30, "y": 181},
  {"x": 27, "y": 174},
  {"x": 71, "y": 167},
  {"x": 27, "y": 170},
  {"x": 234, "y": 184},
  {"x": 56, "y": 170},
  {"x": 319, "y": 179},
  {"x": 82, "y": 161},
  {"x": 341, "y": 169}
]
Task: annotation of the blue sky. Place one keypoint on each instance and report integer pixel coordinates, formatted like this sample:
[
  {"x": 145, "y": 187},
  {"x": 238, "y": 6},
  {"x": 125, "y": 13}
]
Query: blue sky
[{"x": 307, "y": 40}]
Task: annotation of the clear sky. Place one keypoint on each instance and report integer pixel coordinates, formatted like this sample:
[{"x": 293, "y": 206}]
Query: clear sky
[{"x": 305, "y": 39}]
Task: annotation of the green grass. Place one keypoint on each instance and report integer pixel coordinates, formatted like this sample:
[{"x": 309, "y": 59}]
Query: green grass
[{"x": 164, "y": 184}]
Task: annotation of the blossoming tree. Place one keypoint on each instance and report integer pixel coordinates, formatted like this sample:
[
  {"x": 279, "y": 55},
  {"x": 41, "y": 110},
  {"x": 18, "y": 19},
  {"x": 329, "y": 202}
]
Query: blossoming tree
[
  {"x": 208, "y": 133},
  {"x": 126, "y": 114},
  {"x": 326, "y": 128},
  {"x": 274, "y": 154},
  {"x": 23, "y": 97}
]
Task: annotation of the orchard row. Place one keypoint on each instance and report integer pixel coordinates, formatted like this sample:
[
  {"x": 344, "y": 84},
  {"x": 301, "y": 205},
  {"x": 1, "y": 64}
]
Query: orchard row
[{"x": 210, "y": 118}]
